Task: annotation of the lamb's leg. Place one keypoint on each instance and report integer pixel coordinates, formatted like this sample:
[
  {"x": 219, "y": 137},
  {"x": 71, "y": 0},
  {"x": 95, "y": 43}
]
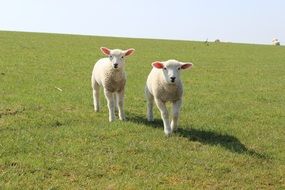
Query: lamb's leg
[
  {"x": 120, "y": 104},
  {"x": 175, "y": 112},
  {"x": 96, "y": 92},
  {"x": 164, "y": 115},
  {"x": 149, "y": 98},
  {"x": 111, "y": 104},
  {"x": 116, "y": 102}
]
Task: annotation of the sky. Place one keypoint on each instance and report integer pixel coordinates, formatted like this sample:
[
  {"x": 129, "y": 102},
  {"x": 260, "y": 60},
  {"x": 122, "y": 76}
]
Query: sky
[{"x": 243, "y": 21}]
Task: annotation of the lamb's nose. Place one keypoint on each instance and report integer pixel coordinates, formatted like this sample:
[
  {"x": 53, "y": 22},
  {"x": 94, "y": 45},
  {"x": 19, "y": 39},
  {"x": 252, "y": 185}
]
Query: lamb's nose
[
  {"x": 172, "y": 79},
  {"x": 116, "y": 65}
]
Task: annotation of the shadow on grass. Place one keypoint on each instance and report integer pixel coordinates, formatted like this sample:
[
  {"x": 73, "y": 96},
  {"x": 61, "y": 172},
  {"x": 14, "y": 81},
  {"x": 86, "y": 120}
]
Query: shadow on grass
[{"x": 226, "y": 141}]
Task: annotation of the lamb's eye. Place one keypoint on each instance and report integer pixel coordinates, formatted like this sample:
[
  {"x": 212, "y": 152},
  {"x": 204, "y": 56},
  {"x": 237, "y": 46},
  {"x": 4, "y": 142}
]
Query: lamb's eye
[
  {"x": 179, "y": 68},
  {"x": 165, "y": 68},
  {"x": 122, "y": 57}
]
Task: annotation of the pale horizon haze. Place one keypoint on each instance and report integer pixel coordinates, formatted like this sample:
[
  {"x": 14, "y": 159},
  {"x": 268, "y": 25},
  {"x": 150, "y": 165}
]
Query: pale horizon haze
[{"x": 241, "y": 21}]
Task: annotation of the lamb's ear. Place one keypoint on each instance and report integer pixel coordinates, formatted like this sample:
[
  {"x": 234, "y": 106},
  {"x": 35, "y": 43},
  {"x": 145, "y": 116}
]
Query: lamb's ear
[
  {"x": 129, "y": 51},
  {"x": 186, "y": 65},
  {"x": 157, "y": 65},
  {"x": 105, "y": 50}
]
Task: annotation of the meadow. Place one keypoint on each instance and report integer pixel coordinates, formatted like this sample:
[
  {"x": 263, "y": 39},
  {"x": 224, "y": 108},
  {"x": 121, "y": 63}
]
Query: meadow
[{"x": 232, "y": 123}]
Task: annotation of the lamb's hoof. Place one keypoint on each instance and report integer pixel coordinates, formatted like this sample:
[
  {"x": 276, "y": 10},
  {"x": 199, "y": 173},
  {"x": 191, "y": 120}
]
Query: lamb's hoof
[
  {"x": 174, "y": 130},
  {"x": 167, "y": 133},
  {"x": 123, "y": 119},
  {"x": 111, "y": 119},
  {"x": 150, "y": 119}
]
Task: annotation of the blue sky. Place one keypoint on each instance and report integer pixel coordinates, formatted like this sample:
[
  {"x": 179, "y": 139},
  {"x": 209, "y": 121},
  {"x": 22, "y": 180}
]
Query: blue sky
[{"x": 246, "y": 21}]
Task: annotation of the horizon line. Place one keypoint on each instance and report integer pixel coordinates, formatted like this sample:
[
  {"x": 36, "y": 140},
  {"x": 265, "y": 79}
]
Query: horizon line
[{"x": 135, "y": 37}]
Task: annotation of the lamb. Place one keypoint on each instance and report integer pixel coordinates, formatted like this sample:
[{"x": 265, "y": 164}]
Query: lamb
[
  {"x": 164, "y": 85},
  {"x": 275, "y": 42},
  {"x": 109, "y": 72}
]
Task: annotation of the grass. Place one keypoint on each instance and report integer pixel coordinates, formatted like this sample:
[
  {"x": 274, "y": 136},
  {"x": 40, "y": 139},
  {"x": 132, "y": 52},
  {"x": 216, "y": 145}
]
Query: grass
[{"x": 231, "y": 133}]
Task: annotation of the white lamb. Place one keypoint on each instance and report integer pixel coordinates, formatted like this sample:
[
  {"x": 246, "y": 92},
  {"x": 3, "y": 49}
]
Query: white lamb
[
  {"x": 275, "y": 42},
  {"x": 109, "y": 72},
  {"x": 163, "y": 85}
]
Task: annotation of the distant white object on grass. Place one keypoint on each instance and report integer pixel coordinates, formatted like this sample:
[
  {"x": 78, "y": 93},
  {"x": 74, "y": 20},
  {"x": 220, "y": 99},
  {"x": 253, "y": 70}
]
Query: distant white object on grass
[
  {"x": 164, "y": 85},
  {"x": 109, "y": 72},
  {"x": 275, "y": 42}
]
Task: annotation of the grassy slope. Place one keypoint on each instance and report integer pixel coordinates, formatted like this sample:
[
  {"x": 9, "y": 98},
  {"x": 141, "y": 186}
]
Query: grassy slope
[{"x": 231, "y": 127}]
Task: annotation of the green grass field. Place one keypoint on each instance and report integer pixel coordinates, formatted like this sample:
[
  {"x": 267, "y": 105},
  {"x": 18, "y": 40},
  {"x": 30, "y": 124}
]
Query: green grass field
[{"x": 232, "y": 124}]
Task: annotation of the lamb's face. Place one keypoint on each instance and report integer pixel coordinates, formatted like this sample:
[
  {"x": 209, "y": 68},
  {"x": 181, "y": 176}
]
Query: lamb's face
[
  {"x": 117, "y": 56},
  {"x": 171, "y": 70}
]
